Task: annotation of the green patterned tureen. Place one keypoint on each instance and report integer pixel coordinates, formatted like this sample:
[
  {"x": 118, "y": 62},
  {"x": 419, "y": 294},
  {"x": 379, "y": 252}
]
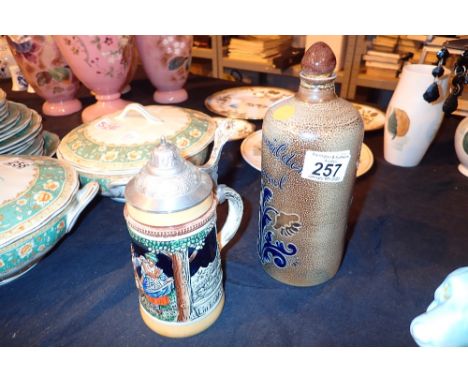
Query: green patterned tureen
[
  {"x": 39, "y": 203},
  {"x": 113, "y": 148}
]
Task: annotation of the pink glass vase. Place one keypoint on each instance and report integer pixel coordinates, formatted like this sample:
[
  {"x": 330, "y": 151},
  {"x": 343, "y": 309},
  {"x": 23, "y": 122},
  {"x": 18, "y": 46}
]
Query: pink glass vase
[
  {"x": 47, "y": 72},
  {"x": 131, "y": 73},
  {"x": 166, "y": 60},
  {"x": 102, "y": 63}
]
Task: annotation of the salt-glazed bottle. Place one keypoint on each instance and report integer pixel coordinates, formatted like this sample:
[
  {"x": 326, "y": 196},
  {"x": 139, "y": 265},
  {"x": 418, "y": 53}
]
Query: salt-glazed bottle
[
  {"x": 310, "y": 151},
  {"x": 171, "y": 217}
]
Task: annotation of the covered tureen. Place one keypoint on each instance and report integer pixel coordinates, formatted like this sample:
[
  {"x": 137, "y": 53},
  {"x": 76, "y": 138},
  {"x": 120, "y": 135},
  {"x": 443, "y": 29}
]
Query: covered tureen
[
  {"x": 113, "y": 148},
  {"x": 40, "y": 201}
]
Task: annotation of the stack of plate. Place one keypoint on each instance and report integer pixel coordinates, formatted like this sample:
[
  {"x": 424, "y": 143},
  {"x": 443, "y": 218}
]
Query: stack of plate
[{"x": 20, "y": 129}]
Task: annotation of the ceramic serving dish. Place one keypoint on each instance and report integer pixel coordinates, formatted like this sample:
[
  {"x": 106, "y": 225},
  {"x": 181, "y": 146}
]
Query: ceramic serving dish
[
  {"x": 113, "y": 148},
  {"x": 40, "y": 201}
]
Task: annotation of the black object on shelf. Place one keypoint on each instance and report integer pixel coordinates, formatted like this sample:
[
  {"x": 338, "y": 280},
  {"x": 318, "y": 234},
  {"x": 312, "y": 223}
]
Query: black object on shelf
[{"x": 291, "y": 56}]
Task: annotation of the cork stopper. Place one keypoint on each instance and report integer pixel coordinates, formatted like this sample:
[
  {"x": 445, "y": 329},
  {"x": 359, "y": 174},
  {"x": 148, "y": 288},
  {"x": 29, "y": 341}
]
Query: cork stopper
[{"x": 318, "y": 61}]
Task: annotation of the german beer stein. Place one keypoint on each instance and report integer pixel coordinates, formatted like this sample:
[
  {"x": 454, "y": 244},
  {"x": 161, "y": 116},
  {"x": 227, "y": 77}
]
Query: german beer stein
[{"x": 171, "y": 217}]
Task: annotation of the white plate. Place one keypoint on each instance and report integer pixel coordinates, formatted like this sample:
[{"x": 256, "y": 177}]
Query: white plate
[
  {"x": 251, "y": 151},
  {"x": 245, "y": 102},
  {"x": 242, "y": 128},
  {"x": 366, "y": 160},
  {"x": 374, "y": 119}
]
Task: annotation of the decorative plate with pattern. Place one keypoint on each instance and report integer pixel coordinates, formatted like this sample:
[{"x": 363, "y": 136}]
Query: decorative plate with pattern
[
  {"x": 245, "y": 102},
  {"x": 374, "y": 119},
  {"x": 251, "y": 151},
  {"x": 122, "y": 142},
  {"x": 32, "y": 191}
]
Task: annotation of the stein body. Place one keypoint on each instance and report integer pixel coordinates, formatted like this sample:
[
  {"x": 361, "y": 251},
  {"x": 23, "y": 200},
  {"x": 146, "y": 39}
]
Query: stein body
[{"x": 175, "y": 245}]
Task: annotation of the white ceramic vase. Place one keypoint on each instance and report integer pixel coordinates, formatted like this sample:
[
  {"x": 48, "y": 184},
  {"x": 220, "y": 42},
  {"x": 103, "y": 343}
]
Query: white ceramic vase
[
  {"x": 411, "y": 123},
  {"x": 461, "y": 145}
]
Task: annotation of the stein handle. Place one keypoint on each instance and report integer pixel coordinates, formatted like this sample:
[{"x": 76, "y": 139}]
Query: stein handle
[
  {"x": 140, "y": 110},
  {"x": 223, "y": 133},
  {"x": 234, "y": 217}
]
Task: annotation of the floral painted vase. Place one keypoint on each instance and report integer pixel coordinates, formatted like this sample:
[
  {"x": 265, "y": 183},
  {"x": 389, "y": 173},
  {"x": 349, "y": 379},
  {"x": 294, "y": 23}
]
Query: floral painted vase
[
  {"x": 412, "y": 123},
  {"x": 171, "y": 218},
  {"x": 461, "y": 145},
  {"x": 166, "y": 60},
  {"x": 102, "y": 63},
  {"x": 6, "y": 58},
  {"x": 133, "y": 69},
  {"x": 47, "y": 72}
]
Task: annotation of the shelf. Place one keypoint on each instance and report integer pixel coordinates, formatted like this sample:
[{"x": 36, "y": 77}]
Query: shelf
[
  {"x": 250, "y": 66},
  {"x": 292, "y": 71},
  {"x": 365, "y": 80},
  {"x": 203, "y": 53}
]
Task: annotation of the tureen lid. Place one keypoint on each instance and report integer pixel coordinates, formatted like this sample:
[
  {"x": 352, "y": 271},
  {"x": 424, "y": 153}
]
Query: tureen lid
[
  {"x": 122, "y": 142},
  {"x": 167, "y": 183},
  {"x": 32, "y": 191}
]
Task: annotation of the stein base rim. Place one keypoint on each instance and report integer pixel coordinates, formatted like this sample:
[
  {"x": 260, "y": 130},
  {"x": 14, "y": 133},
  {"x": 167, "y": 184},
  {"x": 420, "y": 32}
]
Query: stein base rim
[{"x": 180, "y": 329}]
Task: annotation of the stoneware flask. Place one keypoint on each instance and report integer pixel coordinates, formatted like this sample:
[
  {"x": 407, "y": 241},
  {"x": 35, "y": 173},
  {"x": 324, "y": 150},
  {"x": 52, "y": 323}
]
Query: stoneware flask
[
  {"x": 171, "y": 217},
  {"x": 310, "y": 151},
  {"x": 461, "y": 145},
  {"x": 166, "y": 60},
  {"x": 411, "y": 122}
]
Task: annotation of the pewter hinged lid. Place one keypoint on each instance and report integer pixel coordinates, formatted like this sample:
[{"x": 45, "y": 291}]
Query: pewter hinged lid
[{"x": 167, "y": 183}]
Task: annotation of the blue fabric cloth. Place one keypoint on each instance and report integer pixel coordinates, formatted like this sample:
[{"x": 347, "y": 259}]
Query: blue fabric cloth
[{"x": 407, "y": 230}]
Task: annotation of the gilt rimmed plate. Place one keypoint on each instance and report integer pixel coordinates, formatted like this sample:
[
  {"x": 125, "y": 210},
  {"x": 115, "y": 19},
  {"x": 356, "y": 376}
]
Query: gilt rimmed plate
[
  {"x": 3, "y": 112},
  {"x": 32, "y": 148},
  {"x": 251, "y": 151},
  {"x": 245, "y": 102},
  {"x": 13, "y": 116},
  {"x": 374, "y": 119},
  {"x": 25, "y": 115},
  {"x": 242, "y": 128},
  {"x": 51, "y": 142},
  {"x": 32, "y": 130}
]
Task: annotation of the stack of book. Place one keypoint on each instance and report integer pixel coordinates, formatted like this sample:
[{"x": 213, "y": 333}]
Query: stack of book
[
  {"x": 385, "y": 43},
  {"x": 382, "y": 64},
  {"x": 258, "y": 49},
  {"x": 410, "y": 44}
]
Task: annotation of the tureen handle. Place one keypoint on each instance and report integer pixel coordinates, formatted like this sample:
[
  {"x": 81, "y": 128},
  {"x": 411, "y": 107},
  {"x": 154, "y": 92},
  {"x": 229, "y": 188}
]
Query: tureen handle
[
  {"x": 82, "y": 199},
  {"x": 222, "y": 134},
  {"x": 139, "y": 109},
  {"x": 234, "y": 217}
]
